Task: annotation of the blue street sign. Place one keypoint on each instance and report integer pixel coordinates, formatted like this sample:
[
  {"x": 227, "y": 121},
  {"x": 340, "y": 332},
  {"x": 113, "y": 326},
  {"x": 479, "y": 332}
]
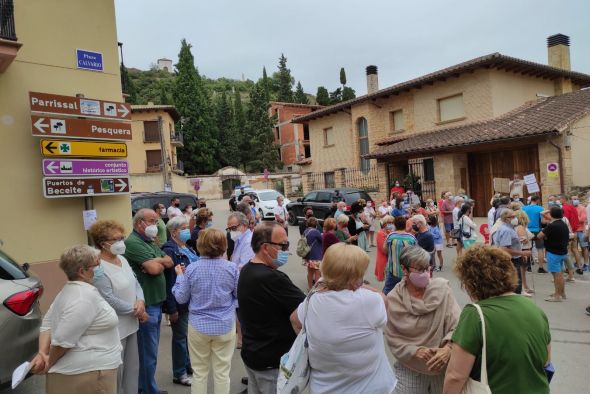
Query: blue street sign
[{"x": 89, "y": 60}]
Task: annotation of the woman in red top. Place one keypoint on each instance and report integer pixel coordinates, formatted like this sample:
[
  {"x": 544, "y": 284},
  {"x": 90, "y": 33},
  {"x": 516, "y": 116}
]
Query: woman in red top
[
  {"x": 381, "y": 258},
  {"x": 329, "y": 237}
]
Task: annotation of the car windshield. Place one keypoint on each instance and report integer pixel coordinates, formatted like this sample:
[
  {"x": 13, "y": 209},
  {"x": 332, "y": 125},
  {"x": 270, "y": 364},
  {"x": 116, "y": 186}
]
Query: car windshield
[
  {"x": 268, "y": 196},
  {"x": 9, "y": 269}
]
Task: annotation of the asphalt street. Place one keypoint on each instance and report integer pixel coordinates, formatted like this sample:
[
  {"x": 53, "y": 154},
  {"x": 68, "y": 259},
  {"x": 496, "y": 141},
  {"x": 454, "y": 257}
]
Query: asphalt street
[{"x": 570, "y": 326}]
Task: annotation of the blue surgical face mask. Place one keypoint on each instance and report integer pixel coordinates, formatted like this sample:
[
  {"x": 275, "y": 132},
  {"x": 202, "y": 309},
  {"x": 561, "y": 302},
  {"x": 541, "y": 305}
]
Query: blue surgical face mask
[
  {"x": 389, "y": 226},
  {"x": 575, "y": 203},
  {"x": 98, "y": 271},
  {"x": 281, "y": 259},
  {"x": 184, "y": 235}
]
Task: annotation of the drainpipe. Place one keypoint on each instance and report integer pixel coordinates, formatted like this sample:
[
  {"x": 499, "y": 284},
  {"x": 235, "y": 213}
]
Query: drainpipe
[{"x": 561, "y": 168}]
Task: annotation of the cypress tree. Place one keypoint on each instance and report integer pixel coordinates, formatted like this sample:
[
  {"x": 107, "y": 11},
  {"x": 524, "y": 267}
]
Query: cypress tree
[
  {"x": 239, "y": 129},
  {"x": 285, "y": 82},
  {"x": 192, "y": 102},
  {"x": 342, "y": 77},
  {"x": 228, "y": 153},
  {"x": 322, "y": 96},
  {"x": 127, "y": 85},
  {"x": 300, "y": 96},
  {"x": 263, "y": 151},
  {"x": 265, "y": 84}
]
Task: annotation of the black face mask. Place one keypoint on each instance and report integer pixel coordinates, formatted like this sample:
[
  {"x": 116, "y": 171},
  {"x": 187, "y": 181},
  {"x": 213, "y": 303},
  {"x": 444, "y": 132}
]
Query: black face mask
[
  {"x": 176, "y": 204},
  {"x": 415, "y": 228}
]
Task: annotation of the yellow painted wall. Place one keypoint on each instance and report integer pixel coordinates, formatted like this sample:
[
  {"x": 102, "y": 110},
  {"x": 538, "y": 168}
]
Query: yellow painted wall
[
  {"x": 510, "y": 90},
  {"x": 580, "y": 142},
  {"x": 137, "y": 148},
  {"x": 36, "y": 229},
  {"x": 339, "y": 155}
]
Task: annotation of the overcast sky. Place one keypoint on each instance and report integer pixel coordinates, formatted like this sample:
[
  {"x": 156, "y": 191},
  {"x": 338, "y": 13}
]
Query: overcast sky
[{"x": 405, "y": 39}]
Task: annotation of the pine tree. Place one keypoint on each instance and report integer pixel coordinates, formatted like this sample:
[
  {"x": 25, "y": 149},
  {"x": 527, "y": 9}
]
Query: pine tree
[
  {"x": 336, "y": 96},
  {"x": 263, "y": 150},
  {"x": 348, "y": 93},
  {"x": 192, "y": 102},
  {"x": 342, "y": 77},
  {"x": 285, "y": 82},
  {"x": 265, "y": 84},
  {"x": 322, "y": 96},
  {"x": 300, "y": 96},
  {"x": 239, "y": 130},
  {"x": 127, "y": 85},
  {"x": 228, "y": 153}
]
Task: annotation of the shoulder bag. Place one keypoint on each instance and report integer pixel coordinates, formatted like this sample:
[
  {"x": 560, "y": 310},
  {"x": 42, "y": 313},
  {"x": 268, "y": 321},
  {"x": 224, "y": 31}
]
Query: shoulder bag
[
  {"x": 473, "y": 386},
  {"x": 294, "y": 369}
]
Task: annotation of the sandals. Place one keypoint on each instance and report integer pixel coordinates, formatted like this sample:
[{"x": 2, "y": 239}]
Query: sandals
[{"x": 553, "y": 299}]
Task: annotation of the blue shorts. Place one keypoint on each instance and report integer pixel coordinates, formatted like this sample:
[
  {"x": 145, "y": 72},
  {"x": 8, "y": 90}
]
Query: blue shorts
[
  {"x": 448, "y": 227},
  {"x": 582, "y": 240},
  {"x": 555, "y": 262}
]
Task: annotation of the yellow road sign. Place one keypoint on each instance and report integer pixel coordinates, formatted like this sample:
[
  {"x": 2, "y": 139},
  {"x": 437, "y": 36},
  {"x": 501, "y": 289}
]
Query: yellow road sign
[{"x": 69, "y": 148}]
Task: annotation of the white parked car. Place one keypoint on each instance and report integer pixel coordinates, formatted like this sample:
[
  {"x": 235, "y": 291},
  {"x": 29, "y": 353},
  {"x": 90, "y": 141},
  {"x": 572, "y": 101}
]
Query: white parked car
[{"x": 266, "y": 201}]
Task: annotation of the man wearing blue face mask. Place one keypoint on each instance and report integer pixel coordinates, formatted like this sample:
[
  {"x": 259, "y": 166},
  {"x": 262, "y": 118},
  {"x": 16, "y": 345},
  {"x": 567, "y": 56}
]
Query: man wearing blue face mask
[
  {"x": 267, "y": 297},
  {"x": 181, "y": 254}
]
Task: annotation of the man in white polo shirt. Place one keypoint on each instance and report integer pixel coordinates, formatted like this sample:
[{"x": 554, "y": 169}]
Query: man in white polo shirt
[{"x": 281, "y": 214}]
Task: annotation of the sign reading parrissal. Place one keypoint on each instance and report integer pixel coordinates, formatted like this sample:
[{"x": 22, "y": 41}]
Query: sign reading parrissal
[{"x": 78, "y": 106}]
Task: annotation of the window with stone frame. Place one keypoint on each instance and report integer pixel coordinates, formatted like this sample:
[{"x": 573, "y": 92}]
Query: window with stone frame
[
  {"x": 451, "y": 108},
  {"x": 329, "y": 136},
  {"x": 397, "y": 121},
  {"x": 363, "y": 132}
]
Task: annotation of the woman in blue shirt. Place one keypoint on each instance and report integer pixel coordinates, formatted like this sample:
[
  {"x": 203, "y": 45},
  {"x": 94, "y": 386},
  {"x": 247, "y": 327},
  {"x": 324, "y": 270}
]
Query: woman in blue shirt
[
  {"x": 176, "y": 247},
  {"x": 313, "y": 259},
  {"x": 210, "y": 286}
]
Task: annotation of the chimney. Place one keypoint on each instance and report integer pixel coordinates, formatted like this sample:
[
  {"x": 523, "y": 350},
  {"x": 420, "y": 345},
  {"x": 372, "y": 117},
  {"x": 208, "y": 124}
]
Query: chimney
[
  {"x": 558, "y": 56},
  {"x": 558, "y": 51},
  {"x": 372, "y": 79}
]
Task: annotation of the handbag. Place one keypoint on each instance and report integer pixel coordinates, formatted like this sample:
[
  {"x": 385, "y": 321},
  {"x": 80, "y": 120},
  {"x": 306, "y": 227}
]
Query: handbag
[
  {"x": 294, "y": 369},
  {"x": 473, "y": 386}
]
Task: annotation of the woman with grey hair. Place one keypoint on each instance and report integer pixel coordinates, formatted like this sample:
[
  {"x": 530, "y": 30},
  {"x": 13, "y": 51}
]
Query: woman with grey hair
[
  {"x": 422, "y": 314},
  {"x": 79, "y": 346},
  {"x": 181, "y": 254}
]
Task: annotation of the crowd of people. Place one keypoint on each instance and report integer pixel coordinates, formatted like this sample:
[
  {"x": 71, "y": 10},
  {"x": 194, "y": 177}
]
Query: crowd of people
[{"x": 223, "y": 290}]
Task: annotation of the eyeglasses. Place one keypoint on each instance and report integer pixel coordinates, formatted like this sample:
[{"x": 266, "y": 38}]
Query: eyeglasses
[
  {"x": 233, "y": 228},
  {"x": 284, "y": 245},
  {"x": 420, "y": 270},
  {"x": 152, "y": 222}
]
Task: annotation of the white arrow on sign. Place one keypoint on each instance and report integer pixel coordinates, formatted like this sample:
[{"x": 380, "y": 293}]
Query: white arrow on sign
[
  {"x": 51, "y": 166},
  {"x": 39, "y": 125},
  {"x": 121, "y": 184},
  {"x": 123, "y": 111}
]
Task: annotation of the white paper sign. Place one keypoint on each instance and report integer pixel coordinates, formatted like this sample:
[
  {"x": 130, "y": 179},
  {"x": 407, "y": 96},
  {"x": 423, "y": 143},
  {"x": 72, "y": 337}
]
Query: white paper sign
[
  {"x": 20, "y": 373},
  {"x": 89, "y": 218},
  {"x": 533, "y": 188},
  {"x": 530, "y": 179}
]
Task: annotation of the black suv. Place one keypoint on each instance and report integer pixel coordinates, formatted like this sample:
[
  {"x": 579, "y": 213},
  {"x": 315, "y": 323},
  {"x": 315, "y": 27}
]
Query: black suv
[
  {"x": 321, "y": 202},
  {"x": 148, "y": 200}
]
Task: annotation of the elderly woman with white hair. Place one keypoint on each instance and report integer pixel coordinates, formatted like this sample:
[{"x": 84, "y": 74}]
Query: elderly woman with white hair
[
  {"x": 346, "y": 349},
  {"x": 422, "y": 315},
  {"x": 181, "y": 254},
  {"x": 79, "y": 346},
  {"x": 342, "y": 230}
]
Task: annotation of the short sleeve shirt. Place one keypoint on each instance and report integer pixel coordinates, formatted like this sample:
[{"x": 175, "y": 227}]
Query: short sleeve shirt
[
  {"x": 507, "y": 237},
  {"x": 281, "y": 212},
  {"x": 510, "y": 348},
  {"x": 138, "y": 251},
  {"x": 533, "y": 212}
]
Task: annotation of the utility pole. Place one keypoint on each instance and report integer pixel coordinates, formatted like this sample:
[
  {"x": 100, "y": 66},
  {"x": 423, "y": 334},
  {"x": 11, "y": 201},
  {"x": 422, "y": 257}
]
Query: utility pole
[{"x": 163, "y": 153}]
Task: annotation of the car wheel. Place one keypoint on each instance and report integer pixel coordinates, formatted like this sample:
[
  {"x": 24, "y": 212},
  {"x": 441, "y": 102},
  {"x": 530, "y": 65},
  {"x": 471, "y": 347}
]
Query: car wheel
[{"x": 292, "y": 218}]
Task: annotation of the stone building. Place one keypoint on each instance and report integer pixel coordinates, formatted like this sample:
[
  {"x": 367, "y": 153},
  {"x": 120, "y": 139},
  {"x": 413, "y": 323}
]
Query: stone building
[
  {"x": 165, "y": 65},
  {"x": 460, "y": 127}
]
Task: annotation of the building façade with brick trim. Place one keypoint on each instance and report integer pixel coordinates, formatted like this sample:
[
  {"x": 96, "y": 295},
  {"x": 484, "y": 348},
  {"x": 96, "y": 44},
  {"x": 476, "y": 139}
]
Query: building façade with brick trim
[{"x": 444, "y": 127}]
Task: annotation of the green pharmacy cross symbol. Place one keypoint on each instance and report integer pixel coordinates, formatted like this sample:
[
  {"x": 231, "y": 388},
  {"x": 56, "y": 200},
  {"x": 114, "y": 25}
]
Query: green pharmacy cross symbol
[{"x": 64, "y": 148}]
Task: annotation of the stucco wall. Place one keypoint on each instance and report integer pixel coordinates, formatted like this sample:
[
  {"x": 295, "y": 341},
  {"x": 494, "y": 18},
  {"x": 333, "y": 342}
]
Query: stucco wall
[
  {"x": 510, "y": 90},
  {"x": 339, "y": 155},
  {"x": 580, "y": 142},
  {"x": 137, "y": 147}
]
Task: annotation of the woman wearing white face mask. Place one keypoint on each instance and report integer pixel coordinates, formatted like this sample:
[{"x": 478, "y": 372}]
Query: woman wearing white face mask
[
  {"x": 183, "y": 255},
  {"x": 422, "y": 315},
  {"x": 117, "y": 284}
]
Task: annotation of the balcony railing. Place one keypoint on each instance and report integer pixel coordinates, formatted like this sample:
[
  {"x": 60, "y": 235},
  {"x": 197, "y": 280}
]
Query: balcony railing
[
  {"x": 150, "y": 167},
  {"x": 176, "y": 138},
  {"x": 178, "y": 167},
  {"x": 7, "y": 31}
]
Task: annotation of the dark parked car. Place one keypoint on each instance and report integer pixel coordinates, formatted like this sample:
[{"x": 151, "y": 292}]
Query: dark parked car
[
  {"x": 148, "y": 200},
  {"x": 321, "y": 202},
  {"x": 20, "y": 316}
]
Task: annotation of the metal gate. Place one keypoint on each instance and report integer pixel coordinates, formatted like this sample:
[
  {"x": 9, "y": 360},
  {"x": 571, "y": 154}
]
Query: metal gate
[{"x": 415, "y": 174}]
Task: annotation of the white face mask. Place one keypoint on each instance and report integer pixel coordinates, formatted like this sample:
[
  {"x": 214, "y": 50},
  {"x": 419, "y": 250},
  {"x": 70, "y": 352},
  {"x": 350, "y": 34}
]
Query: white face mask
[
  {"x": 163, "y": 211},
  {"x": 235, "y": 235},
  {"x": 151, "y": 231},
  {"x": 514, "y": 222},
  {"x": 118, "y": 248}
]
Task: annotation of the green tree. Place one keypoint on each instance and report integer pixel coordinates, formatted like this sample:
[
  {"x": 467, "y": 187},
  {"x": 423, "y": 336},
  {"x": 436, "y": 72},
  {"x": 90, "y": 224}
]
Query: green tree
[
  {"x": 263, "y": 151},
  {"x": 336, "y": 96},
  {"x": 322, "y": 96},
  {"x": 192, "y": 102},
  {"x": 265, "y": 84},
  {"x": 300, "y": 96},
  {"x": 342, "y": 77},
  {"x": 239, "y": 129},
  {"x": 348, "y": 93},
  {"x": 127, "y": 85},
  {"x": 228, "y": 153},
  {"x": 285, "y": 82}
]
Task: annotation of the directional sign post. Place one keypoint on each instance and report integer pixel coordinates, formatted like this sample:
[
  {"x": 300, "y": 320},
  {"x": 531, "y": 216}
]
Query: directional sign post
[
  {"x": 78, "y": 106},
  {"x": 84, "y": 187},
  {"x": 68, "y": 148},
  {"x": 55, "y": 127},
  {"x": 65, "y": 167}
]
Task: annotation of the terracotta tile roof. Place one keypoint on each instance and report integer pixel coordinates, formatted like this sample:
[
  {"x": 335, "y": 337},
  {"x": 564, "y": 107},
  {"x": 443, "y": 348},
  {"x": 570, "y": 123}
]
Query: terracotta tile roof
[
  {"x": 304, "y": 162},
  {"x": 544, "y": 116},
  {"x": 299, "y": 105},
  {"x": 494, "y": 60},
  {"x": 391, "y": 140},
  {"x": 156, "y": 107}
]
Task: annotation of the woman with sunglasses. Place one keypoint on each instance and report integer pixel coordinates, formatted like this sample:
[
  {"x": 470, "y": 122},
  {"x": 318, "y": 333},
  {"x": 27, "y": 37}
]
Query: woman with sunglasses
[
  {"x": 422, "y": 314},
  {"x": 116, "y": 282}
]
